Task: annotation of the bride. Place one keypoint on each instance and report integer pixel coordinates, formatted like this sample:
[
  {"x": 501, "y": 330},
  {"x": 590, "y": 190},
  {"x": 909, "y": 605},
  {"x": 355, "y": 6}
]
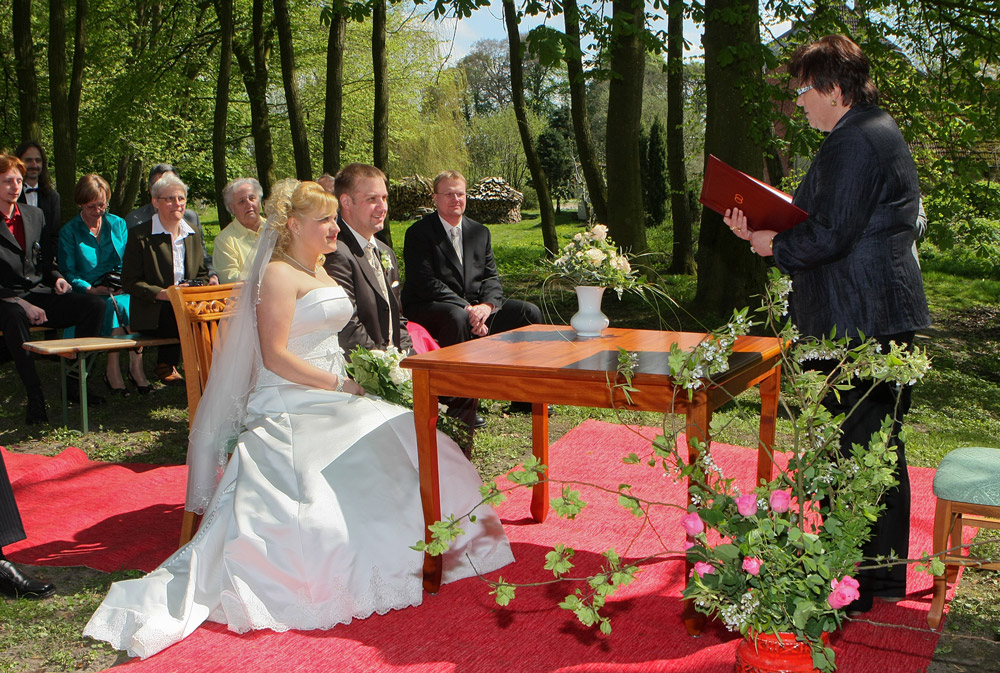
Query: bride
[{"x": 311, "y": 522}]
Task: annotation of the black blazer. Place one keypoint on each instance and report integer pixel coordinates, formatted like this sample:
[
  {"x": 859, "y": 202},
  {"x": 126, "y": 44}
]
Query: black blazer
[
  {"x": 433, "y": 272},
  {"x": 49, "y": 203},
  {"x": 373, "y": 317},
  {"x": 851, "y": 261},
  {"x": 148, "y": 267},
  {"x": 33, "y": 268}
]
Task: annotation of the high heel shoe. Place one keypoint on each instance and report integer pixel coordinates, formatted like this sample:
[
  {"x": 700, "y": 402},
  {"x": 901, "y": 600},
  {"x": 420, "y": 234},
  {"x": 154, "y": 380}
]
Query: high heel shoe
[
  {"x": 143, "y": 390},
  {"x": 123, "y": 391}
]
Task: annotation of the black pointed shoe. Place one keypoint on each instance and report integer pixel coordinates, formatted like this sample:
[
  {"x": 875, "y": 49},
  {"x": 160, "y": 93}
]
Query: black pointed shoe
[{"x": 16, "y": 584}]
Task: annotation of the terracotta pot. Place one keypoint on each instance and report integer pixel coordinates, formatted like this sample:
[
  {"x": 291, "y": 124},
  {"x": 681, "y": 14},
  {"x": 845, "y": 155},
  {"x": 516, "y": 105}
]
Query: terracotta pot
[{"x": 768, "y": 654}]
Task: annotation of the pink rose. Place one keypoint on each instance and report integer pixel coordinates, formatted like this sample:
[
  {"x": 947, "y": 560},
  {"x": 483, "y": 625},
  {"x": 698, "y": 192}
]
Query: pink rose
[
  {"x": 704, "y": 568},
  {"x": 693, "y": 524},
  {"x": 688, "y": 544},
  {"x": 780, "y": 501},
  {"x": 746, "y": 505},
  {"x": 844, "y": 592},
  {"x": 752, "y": 565}
]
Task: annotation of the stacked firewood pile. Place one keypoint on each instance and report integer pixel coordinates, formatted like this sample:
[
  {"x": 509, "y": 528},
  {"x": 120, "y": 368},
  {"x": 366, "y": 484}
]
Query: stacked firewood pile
[
  {"x": 493, "y": 201},
  {"x": 409, "y": 196}
]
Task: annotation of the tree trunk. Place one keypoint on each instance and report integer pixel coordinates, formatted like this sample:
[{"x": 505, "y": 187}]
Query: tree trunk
[
  {"x": 626, "y": 219},
  {"x": 255, "y": 80},
  {"x": 334, "y": 93},
  {"x": 589, "y": 164},
  {"x": 538, "y": 179},
  {"x": 224, "y": 8},
  {"x": 380, "y": 113},
  {"x": 76, "y": 79},
  {"x": 27, "y": 81},
  {"x": 127, "y": 181},
  {"x": 682, "y": 259},
  {"x": 64, "y": 115},
  {"x": 300, "y": 139},
  {"x": 729, "y": 274}
]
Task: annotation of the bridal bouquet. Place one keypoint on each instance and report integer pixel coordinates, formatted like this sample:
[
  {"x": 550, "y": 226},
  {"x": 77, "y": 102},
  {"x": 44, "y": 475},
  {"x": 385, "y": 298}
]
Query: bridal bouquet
[
  {"x": 379, "y": 373},
  {"x": 592, "y": 258}
]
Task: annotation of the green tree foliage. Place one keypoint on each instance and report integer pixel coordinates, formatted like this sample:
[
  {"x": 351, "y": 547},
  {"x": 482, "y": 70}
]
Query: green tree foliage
[
  {"x": 654, "y": 179},
  {"x": 557, "y": 161}
]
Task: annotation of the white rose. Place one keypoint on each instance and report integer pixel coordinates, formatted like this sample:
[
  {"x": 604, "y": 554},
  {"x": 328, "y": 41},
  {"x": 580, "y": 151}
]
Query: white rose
[
  {"x": 398, "y": 375},
  {"x": 595, "y": 256},
  {"x": 578, "y": 237},
  {"x": 599, "y": 232}
]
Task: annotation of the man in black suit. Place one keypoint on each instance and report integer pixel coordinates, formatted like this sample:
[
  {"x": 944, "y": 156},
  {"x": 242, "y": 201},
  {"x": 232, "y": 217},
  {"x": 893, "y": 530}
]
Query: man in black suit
[
  {"x": 452, "y": 287},
  {"x": 32, "y": 291},
  {"x": 363, "y": 265},
  {"x": 37, "y": 189},
  {"x": 14, "y": 583}
]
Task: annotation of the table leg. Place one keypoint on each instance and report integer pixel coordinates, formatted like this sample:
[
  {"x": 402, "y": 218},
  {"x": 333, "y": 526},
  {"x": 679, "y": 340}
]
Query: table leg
[
  {"x": 425, "y": 412},
  {"x": 82, "y": 359},
  {"x": 65, "y": 392},
  {"x": 770, "y": 389},
  {"x": 540, "y": 449},
  {"x": 699, "y": 415}
]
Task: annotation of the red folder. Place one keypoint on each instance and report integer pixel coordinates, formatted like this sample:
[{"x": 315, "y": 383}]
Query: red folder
[{"x": 765, "y": 207}]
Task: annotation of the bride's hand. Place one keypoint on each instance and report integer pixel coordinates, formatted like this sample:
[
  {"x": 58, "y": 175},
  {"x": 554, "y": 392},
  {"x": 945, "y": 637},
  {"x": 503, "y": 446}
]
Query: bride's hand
[{"x": 354, "y": 388}]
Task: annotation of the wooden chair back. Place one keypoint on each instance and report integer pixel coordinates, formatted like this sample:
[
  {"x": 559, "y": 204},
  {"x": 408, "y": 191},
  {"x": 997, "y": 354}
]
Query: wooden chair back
[{"x": 198, "y": 311}]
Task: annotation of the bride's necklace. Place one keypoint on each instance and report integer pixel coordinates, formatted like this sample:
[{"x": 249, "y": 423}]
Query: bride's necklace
[{"x": 296, "y": 262}]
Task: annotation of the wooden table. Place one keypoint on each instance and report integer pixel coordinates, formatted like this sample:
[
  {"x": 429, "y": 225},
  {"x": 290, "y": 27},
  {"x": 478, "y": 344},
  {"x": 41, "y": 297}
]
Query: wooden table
[
  {"x": 80, "y": 350},
  {"x": 549, "y": 364}
]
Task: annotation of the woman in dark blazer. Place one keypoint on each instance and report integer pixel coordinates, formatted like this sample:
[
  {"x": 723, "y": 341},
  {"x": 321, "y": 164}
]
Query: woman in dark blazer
[
  {"x": 91, "y": 246},
  {"x": 852, "y": 264},
  {"x": 158, "y": 254}
]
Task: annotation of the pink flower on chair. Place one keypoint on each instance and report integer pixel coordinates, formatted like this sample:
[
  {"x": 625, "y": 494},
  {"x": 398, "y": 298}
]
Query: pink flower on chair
[
  {"x": 844, "y": 592},
  {"x": 752, "y": 565},
  {"x": 703, "y": 568},
  {"x": 746, "y": 505},
  {"x": 780, "y": 501},
  {"x": 693, "y": 524}
]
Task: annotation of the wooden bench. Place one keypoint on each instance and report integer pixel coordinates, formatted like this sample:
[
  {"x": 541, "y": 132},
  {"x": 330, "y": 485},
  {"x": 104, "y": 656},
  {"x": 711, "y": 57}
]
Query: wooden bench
[{"x": 82, "y": 349}]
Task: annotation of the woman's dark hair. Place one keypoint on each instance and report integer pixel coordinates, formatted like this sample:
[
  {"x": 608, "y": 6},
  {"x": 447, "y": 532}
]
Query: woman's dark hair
[
  {"x": 44, "y": 180},
  {"x": 835, "y": 60}
]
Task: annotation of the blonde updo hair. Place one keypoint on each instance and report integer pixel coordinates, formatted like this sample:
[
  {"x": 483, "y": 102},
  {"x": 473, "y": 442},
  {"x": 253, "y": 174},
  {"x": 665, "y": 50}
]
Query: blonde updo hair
[{"x": 291, "y": 198}]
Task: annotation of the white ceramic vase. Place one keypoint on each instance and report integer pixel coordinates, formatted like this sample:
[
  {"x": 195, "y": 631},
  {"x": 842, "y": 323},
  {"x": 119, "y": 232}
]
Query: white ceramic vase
[{"x": 589, "y": 321}]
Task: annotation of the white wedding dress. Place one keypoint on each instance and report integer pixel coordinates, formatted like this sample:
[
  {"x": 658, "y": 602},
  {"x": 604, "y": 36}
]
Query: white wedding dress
[{"x": 312, "y": 523}]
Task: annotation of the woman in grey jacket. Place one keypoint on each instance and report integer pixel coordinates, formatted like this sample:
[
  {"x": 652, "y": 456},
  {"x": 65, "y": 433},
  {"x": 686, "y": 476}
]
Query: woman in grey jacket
[{"x": 852, "y": 264}]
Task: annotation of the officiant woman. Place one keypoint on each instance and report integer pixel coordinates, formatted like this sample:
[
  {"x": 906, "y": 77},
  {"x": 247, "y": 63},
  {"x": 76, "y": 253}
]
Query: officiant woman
[{"x": 851, "y": 262}]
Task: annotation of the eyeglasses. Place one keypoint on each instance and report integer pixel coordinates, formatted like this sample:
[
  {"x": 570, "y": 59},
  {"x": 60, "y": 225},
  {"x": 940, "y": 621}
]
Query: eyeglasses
[
  {"x": 803, "y": 89},
  {"x": 173, "y": 199},
  {"x": 95, "y": 207}
]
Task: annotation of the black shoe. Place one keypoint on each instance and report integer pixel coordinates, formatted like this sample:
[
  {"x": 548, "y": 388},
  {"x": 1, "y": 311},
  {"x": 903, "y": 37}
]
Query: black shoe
[
  {"x": 143, "y": 390},
  {"x": 480, "y": 422},
  {"x": 524, "y": 408},
  {"x": 36, "y": 413},
  {"x": 121, "y": 392},
  {"x": 15, "y": 584},
  {"x": 73, "y": 395}
]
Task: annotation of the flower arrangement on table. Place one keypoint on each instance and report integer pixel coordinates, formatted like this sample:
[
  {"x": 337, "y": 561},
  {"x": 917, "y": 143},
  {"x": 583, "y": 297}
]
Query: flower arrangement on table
[
  {"x": 592, "y": 258},
  {"x": 777, "y": 558}
]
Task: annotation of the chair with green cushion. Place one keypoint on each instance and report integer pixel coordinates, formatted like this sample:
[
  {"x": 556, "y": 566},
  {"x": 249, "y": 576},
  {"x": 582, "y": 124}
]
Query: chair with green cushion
[{"x": 967, "y": 486}]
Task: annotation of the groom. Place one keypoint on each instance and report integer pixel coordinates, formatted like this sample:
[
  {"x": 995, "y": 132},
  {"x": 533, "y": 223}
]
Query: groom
[{"x": 363, "y": 265}]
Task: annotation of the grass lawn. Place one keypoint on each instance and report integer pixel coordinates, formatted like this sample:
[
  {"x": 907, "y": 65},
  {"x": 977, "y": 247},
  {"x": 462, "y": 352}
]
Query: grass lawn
[{"x": 958, "y": 404}]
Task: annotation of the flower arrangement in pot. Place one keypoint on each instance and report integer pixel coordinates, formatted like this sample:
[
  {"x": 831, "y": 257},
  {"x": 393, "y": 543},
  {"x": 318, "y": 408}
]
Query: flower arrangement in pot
[{"x": 592, "y": 262}]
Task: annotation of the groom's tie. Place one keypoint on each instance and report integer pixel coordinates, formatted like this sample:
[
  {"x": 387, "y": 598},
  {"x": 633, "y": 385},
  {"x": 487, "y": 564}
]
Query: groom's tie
[
  {"x": 380, "y": 275},
  {"x": 456, "y": 242}
]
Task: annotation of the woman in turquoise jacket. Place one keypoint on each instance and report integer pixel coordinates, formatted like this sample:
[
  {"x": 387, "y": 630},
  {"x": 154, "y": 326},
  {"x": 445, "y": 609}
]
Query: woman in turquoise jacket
[{"x": 90, "y": 258}]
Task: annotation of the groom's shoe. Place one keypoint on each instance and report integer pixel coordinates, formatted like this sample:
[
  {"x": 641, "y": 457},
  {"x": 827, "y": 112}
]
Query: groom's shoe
[{"x": 16, "y": 584}]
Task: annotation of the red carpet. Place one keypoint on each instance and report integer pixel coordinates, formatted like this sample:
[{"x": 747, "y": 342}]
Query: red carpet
[{"x": 461, "y": 630}]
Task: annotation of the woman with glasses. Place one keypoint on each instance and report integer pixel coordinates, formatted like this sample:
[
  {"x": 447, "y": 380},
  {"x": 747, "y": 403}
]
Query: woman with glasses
[
  {"x": 163, "y": 252},
  {"x": 852, "y": 263},
  {"x": 91, "y": 246}
]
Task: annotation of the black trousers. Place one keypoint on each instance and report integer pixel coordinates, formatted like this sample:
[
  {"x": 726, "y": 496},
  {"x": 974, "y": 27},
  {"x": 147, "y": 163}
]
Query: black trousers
[
  {"x": 891, "y": 532},
  {"x": 11, "y": 528},
  {"x": 449, "y": 325},
  {"x": 73, "y": 309},
  {"x": 167, "y": 328}
]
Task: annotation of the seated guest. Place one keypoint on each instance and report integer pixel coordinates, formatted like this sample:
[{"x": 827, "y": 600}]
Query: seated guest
[
  {"x": 91, "y": 246},
  {"x": 234, "y": 244},
  {"x": 32, "y": 292},
  {"x": 452, "y": 287},
  {"x": 166, "y": 251},
  {"x": 14, "y": 583},
  {"x": 364, "y": 266},
  {"x": 145, "y": 213},
  {"x": 37, "y": 189}
]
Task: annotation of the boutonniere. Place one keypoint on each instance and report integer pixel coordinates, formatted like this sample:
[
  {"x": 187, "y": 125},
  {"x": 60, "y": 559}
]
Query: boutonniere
[{"x": 386, "y": 260}]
